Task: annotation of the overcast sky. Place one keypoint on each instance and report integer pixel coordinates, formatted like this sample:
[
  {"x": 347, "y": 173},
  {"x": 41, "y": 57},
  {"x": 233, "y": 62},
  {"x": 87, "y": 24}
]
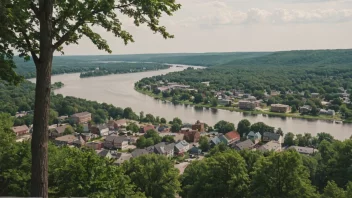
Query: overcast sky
[{"x": 239, "y": 25}]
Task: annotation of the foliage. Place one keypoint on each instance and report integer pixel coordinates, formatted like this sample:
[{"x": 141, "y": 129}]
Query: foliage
[
  {"x": 243, "y": 127},
  {"x": 224, "y": 126},
  {"x": 204, "y": 144},
  {"x": 261, "y": 128},
  {"x": 281, "y": 175},
  {"x": 69, "y": 130},
  {"x": 150, "y": 138},
  {"x": 168, "y": 138},
  {"x": 289, "y": 139},
  {"x": 222, "y": 175},
  {"x": 133, "y": 127},
  {"x": 175, "y": 127},
  {"x": 154, "y": 175}
]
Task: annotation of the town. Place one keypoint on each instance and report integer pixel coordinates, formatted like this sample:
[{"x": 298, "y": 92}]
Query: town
[
  {"x": 124, "y": 139},
  {"x": 302, "y": 105}
]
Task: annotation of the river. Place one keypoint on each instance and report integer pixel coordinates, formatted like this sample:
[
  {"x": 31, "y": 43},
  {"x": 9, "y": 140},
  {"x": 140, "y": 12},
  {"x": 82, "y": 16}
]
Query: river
[{"x": 119, "y": 90}]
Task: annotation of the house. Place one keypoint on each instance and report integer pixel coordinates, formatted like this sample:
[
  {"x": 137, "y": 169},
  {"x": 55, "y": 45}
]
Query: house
[
  {"x": 101, "y": 129},
  {"x": 139, "y": 152},
  {"x": 223, "y": 139},
  {"x": 268, "y": 136},
  {"x": 115, "y": 142},
  {"x": 304, "y": 150},
  {"x": 94, "y": 145},
  {"x": 146, "y": 128},
  {"x": 224, "y": 102},
  {"x": 280, "y": 108},
  {"x": 58, "y": 131},
  {"x": 181, "y": 147},
  {"x": 116, "y": 124},
  {"x": 105, "y": 153},
  {"x": 65, "y": 140},
  {"x": 255, "y": 137},
  {"x": 214, "y": 141},
  {"x": 245, "y": 145},
  {"x": 62, "y": 118},
  {"x": 270, "y": 146},
  {"x": 327, "y": 112},
  {"x": 305, "y": 109},
  {"x": 82, "y": 117},
  {"x": 88, "y": 136},
  {"x": 199, "y": 126},
  {"x": 122, "y": 157},
  {"x": 195, "y": 150},
  {"x": 79, "y": 142},
  {"x": 247, "y": 105},
  {"x": 233, "y": 137},
  {"x": 192, "y": 136},
  {"x": 162, "y": 149},
  {"x": 20, "y": 130}
]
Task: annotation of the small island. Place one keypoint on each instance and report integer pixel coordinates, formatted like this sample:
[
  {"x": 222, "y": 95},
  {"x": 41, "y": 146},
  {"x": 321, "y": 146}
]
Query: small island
[
  {"x": 57, "y": 85},
  {"x": 120, "y": 68}
]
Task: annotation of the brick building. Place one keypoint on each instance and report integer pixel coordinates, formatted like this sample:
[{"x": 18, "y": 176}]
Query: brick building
[
  {"x": 199, "y": 126},
  {"x": 82, "y": 117}
]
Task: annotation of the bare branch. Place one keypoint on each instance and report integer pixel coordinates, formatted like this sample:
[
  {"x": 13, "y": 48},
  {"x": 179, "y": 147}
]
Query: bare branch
[
  {"x": 34, "y": 55},
  {"x": 34, "y": 9}
]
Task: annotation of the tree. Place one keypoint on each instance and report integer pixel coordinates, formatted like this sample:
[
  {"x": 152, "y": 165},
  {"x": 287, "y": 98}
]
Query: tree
[
  {"x": 198, "y": 98},
  {"x": 69, "y": 130},
  {"x": 175, "y": 127},
  {"x": 281, "y": 175},
  {"x": 53, "y": 116},
  {"x": 333, "y": 191},
  {"x": 141, "y": 116},
  {"x": 289, "y": 139},
  {"x": 177, "y": 120},
  {"x": 154, "y": 175},
  {"x": 229, "y": 171},
  {"x": 39, "y": 28},
  {"x": 132, "y": 127},
  {"x": 279, "y": 131},
  {"x": 224, "y": 127},
  {"x": 243, "y": 127},
  {"x": 163, "y": 120},
  {"x": 261, "y": 128},
  {"x": 141, "y": 142},
  {"x": 128, "y": 113},
  {"x": 204, "y": 144},
  {"x": 152, "y": 134},
  {"x": 293, "y": 109},
  {"x": 168, "y": 138},
  {"x": 214, "y": 102},
  {"x": 79, "y": 128},
  {"x": 149, "y": 118}
]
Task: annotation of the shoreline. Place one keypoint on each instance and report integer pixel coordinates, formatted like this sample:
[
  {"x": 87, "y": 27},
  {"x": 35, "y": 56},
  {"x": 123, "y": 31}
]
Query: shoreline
[{"x": 256, "y": 112}]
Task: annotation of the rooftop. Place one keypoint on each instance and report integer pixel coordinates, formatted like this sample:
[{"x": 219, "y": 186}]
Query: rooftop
[
  {"x": 19, "y": 128},
  {"x": 81, "y": 114}
]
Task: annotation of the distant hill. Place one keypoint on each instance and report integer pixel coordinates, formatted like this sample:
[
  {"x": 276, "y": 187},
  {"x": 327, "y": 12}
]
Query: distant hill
[
  {"x": 298, "y": 58},
  {"x": 69, "y": 64}
]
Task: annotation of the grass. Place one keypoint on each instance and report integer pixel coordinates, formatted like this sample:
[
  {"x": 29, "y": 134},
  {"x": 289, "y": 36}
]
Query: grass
[{"x": 232, "y": 108}]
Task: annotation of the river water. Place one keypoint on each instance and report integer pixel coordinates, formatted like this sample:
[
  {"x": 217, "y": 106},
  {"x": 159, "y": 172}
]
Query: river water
[{"x": 119, "y": 90}]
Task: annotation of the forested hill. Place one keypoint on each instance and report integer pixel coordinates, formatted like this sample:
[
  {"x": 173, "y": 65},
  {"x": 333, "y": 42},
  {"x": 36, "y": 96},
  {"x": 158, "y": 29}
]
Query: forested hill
[
  {"x": 70, "y": 64},
  {"x": 298, "y": 58}
]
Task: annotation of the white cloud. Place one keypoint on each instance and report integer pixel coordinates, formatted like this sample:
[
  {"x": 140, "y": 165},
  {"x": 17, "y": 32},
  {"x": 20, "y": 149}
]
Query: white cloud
[{"x": 225, "y": 16}]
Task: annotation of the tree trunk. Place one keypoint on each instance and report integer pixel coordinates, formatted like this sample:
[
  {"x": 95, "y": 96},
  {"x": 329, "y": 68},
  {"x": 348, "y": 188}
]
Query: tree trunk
[{"x": 39, "y": 178}]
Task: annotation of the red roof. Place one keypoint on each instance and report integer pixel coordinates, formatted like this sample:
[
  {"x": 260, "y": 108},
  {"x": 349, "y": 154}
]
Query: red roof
[
  {"x": 148, "y": 127},
  {"x": 233, "y": 135}
]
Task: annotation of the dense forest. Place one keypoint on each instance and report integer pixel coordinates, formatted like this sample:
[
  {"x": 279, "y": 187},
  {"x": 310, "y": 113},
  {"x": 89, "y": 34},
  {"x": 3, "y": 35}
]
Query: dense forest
[
  {"x": 224, "y": 172},
  {"x": 118, "y": 68}
]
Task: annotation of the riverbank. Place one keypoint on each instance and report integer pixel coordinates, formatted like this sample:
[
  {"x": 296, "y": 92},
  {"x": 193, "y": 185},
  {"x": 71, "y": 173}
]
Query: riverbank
[{"x": 254, "y": 112}]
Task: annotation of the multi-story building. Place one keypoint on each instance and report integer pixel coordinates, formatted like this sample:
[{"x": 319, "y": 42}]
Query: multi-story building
[
  {"x": 199, "y": 126},
  {"x": 82, "y": 117},
  {"x": 247, "y": 105},
  {"x": 280, "y": 108}
]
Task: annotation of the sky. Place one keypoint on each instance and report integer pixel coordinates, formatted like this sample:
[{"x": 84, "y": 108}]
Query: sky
[{"x": 236, "y": 26}]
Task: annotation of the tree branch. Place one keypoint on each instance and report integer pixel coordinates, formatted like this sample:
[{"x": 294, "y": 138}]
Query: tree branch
[
  {"x": 80, "y": 22},
  {"x": 34, "y": 55},
  {"x": 34, "y": 9}
]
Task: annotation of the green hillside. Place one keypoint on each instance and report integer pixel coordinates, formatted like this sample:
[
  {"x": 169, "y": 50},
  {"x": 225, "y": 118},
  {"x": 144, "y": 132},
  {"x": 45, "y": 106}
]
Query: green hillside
[{"x": 298, "y": 58}]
